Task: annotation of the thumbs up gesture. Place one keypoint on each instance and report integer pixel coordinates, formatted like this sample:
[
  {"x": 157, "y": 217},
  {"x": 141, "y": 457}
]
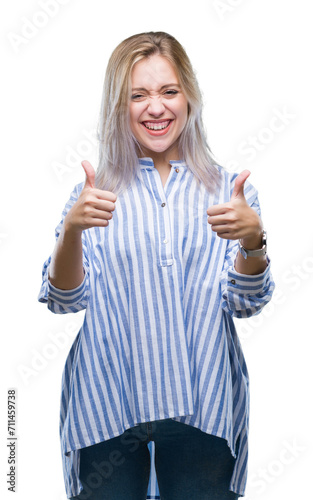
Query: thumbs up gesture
[
  {"x": 94, "y": 206},
  {"x": 236, "y": 219}
]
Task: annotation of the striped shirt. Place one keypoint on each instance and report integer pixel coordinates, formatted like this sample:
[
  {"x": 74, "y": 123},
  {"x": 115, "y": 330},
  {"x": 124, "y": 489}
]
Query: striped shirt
[{"x": 158, "y": 338}]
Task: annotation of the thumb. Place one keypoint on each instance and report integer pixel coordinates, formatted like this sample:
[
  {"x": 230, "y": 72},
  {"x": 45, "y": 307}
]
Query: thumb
[
  {"x": 90, "y": 174},
  {"x": 239, "y": 184}
]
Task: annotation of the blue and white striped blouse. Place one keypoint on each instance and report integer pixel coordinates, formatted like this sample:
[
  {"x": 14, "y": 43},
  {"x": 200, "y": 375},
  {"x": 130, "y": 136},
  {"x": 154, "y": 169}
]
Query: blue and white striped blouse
[{"x": 158, "y": 339}]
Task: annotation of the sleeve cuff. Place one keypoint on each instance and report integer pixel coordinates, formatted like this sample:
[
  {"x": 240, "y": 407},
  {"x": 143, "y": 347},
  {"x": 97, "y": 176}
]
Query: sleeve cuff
[
  {"x": 248, "y": 284},
  {"x": 63, "y": 298}
]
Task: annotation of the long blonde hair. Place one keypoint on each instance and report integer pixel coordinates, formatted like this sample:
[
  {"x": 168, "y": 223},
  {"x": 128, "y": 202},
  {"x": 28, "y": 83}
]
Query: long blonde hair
[{"x": 118, "y": 148}]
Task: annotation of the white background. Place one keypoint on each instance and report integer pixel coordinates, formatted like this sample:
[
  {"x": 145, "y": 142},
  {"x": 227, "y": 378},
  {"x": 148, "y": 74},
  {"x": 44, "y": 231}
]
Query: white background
[{"x": 253, "y": 60}]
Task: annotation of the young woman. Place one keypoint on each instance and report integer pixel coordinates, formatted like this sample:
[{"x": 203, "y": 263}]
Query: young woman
[{"x": 162, "y": 247}]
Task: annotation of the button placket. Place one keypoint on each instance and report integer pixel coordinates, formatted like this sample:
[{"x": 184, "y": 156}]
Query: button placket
[
  {"x": 164, "y": 225},
  {"x": 166, "y": 257},
  {"x": 166, "y": 243}
]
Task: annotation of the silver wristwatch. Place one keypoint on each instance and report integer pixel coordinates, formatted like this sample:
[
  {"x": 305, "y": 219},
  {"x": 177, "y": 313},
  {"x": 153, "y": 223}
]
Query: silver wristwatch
[{"x": 254, "y": 253}]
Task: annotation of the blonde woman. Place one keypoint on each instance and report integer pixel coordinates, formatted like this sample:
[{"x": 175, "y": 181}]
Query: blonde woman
[{"x": 162, "y": 247}]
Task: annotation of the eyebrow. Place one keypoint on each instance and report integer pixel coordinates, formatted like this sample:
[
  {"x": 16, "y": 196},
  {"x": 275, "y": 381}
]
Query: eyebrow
[{"x": 162, "y": 88}]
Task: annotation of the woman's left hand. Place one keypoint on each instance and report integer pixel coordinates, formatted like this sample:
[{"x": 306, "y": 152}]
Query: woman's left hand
[{"x": 236, "y": 219}]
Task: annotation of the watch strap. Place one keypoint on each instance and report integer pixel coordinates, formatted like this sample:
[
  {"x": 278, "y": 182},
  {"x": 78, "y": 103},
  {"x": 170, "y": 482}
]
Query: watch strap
[{"x": 255, "y": 253}]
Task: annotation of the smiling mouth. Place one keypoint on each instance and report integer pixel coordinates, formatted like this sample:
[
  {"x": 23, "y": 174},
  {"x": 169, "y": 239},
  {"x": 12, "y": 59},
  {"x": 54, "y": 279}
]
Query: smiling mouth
[{"x": 157, "y": 125}]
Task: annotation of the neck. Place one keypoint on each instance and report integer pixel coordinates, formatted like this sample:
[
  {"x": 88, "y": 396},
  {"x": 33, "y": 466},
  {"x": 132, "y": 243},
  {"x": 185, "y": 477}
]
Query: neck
[{"x": 161, "y": 160}]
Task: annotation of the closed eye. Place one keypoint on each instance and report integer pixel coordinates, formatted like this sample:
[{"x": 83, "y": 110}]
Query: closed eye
[
  {"x": 171, "y": 92},
  {"x": 167, "y": 93},
  {"x": 137, "y": 97}
]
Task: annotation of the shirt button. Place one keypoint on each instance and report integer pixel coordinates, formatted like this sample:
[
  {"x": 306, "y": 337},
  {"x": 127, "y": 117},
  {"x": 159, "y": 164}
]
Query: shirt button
[
  {"x": 163, "y": 204},
  {"x": 233, "y": 282},
  {"x": 165, "y": 241},
  {"x": 177, "y": 170}
]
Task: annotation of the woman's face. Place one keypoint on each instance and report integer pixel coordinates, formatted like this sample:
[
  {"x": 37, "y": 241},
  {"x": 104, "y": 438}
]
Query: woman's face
[{"x": 158, "y": 107}]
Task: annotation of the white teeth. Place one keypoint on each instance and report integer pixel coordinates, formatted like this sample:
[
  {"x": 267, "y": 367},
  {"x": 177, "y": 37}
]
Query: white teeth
[{"x": 156, "y": 126}]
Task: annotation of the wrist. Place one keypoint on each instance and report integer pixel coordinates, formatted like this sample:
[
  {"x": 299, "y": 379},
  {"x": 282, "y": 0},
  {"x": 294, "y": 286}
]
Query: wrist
[
  {"x": 255, "y": 251},
  {"x": 254, "y": 242},
  {"x": 70, "y": 230}
]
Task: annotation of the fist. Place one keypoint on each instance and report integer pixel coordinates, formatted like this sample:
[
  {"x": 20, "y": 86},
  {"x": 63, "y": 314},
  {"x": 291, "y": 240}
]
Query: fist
[
  {"x": 236, "y": 219},
  {"x": 94, "y": 206}
]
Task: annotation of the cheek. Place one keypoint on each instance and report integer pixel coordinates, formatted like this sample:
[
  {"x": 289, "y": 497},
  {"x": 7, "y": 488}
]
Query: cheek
[
  {"x": 183, "y": 110},
  {"x": 133, "y": 116},
  {"x": 183, "y": 116}
]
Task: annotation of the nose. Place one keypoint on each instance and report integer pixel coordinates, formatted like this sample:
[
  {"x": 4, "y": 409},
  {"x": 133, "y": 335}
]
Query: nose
[{"x": 156, "y": 106}]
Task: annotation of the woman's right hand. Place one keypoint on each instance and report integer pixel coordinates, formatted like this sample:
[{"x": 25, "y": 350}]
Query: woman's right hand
[{"x": 93, "y": 208}]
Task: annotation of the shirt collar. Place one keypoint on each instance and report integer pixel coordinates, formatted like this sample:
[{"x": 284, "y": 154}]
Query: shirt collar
[{"x": 147, "y": 163}]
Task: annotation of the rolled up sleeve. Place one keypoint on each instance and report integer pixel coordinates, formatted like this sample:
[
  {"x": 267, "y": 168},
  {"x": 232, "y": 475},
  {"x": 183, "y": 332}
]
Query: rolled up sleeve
[
  {"x": 245, "y": 295},
  {"x": 64, "y": 301}
]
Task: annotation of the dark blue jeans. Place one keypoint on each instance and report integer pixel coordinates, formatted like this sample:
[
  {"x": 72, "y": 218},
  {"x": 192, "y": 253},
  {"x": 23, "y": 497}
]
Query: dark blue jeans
[{"x": 190, "y": 464}]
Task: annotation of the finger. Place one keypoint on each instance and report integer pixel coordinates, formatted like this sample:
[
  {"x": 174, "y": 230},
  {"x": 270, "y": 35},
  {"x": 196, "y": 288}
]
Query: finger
[
  {"x": 239, "y": 184},
  {"x": 99, "y": 223},
  {"x": 226, "y": 236},
  {"x": 222, "y": 228},
  {"x": 90, "y": 174},
  {"x": 101, "y": 215},
  {"x": 102, "y": 205},
  {"x": 219, "y": 219},
  {"x": 92, "y": 214},
  {"x": 105, "y": 195},
  {"x": 218, "y": 209}
]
